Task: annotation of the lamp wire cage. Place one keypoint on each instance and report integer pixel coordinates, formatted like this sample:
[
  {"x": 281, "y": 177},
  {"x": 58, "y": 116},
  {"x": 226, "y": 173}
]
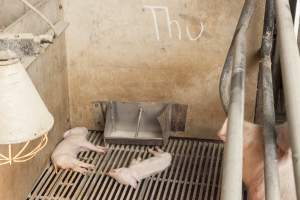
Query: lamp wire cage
[{"x": 22, "y": 155}]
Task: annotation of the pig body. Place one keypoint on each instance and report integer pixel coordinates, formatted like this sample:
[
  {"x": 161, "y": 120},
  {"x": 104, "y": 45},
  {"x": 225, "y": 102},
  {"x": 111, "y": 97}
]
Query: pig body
[
  {"x": 253, "y": 161},
  {"x": 65, "y": 154},
  {"x": 140, "y": 169}
]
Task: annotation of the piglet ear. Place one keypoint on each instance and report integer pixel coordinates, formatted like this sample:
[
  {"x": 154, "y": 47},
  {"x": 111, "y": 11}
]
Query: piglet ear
[
  {"x": 67, "y": 133},
  {"x": 223, "y": 130}
]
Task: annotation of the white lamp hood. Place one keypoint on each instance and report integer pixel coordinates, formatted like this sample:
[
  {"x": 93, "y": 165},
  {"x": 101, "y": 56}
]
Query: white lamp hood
[{"x": 23, "y": 114}]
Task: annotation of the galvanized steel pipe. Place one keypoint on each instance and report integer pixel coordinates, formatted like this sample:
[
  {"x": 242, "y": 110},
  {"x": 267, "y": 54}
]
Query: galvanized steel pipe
[
  {"x": 225, "y": 78},
  {"x": 272, "y": 189},
  {"x": 290, "y": 67},
  {"x": 233, "y": 153}
]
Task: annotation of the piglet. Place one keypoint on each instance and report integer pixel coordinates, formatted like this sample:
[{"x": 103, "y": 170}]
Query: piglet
[
  {"x": 65, "y": 154},
  {"x": 253, "y": 161},
  {"x": 139, "y": 169}
]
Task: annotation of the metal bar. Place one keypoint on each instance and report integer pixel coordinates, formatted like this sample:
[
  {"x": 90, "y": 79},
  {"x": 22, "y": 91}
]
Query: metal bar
[
  {"x": 157, "y": 178},
  {"x": 143, "y": 152},
  {"x": 188, "y": 169},
  {"x": 290, "y": 62},
  {"x": 113, "y": 114},
  {"x": 83, "y": 187},
  {"x": 179, "y": 166},
  {"x": 225, "y": 79},
  {"x": 41, "y": 15},
  {"x": 189, "y": 190},
  {"x": 94, "y": 157},
  {"x": 104, "y": 178},
  {"x": 100, "y": 174},
  {"x": 111, "y": 182},
  {"x": 57, "y": 186},
  {"x": 215, "y": 183},
  {"x": 210, "y": 172},
  {"x": 115, "y": 194},
  {"x": 202, "y": 162},
  {"x": 171, "y": 146},
  {"x": 294, "y": 5},
  {"x": 139, "y": 122},
  {"x": 184, "y": 178},
  {"x": 145, "y": 182},
  {"x": 176, "y": 160},
  {"x": 233, "y": 154},
  {"x": 276, "y": 68},
  {"x": 205, "y": 170},
  {"x": 47, "y": 173},
  {"x": 183, "y": 169},
  {"x": 272, "y": 189},
  {"x": 128, "y": 188}
]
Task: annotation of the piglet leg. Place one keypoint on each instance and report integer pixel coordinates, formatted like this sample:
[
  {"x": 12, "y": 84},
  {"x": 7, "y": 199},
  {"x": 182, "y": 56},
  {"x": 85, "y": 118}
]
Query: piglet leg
[
  {"x": 135, "y": 161},
  {"x": 80, "y": 170},
  {"x": 159, "y": 150},
  {"x": 156, "y": 152},
  {"x": 92, "y": 147}
]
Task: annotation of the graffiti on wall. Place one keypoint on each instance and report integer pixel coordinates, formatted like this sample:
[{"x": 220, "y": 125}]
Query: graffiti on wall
[{"x": 171, "y": 23}]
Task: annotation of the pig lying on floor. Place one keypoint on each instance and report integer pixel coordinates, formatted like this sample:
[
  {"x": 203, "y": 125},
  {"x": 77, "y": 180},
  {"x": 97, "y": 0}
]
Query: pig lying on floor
[
  {"x": 65, "y": 154},
  {"x": 139, "y": 170},
  {"x": 253, "y": 161}
]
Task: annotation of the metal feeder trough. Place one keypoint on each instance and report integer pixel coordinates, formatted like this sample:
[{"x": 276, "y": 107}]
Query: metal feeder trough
[{"x": 137, "y": 123}]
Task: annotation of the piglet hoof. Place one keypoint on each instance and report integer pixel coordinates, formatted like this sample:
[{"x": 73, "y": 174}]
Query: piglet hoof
[
  {"x": 158, "y": 149},
  {"x": 139, "y": 159},
  {"x": 151, "y": 151},
  {"x": 87, "y": 166},
  {"x": 102, "y": 149},
  {"x": 81, "y": 170},
  {"x": 154, "y": 151}
]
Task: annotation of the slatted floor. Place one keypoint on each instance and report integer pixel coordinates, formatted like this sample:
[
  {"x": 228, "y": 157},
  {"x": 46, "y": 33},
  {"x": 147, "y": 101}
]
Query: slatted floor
[{"x": 194, "y": 174}]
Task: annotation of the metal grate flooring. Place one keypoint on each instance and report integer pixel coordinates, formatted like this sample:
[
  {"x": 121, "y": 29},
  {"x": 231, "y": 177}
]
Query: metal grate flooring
[{"x": 194, "y": 174}]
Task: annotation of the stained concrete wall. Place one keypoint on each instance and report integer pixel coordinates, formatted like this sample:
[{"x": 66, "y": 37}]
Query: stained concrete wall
[
  {"x": 49, "y": 74},
  {"x": 16, "y": 9},
  {"x": 114, "y": 54}
]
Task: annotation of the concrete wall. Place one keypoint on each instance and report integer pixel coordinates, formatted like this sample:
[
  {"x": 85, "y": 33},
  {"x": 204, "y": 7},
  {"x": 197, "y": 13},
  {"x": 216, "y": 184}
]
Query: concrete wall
[
  {"x": 114, "y": 54},
  {"x": 16, "y": 9},
  {"x": 49, "y": 74}
]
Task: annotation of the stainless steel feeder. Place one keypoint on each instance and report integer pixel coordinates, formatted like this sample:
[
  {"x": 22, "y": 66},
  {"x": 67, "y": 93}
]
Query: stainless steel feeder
[{"x": 137, "y": 123}]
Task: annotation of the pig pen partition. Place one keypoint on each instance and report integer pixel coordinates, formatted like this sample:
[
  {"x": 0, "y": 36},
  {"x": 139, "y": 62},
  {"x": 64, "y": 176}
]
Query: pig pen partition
[{"x": 233, "y": 100}]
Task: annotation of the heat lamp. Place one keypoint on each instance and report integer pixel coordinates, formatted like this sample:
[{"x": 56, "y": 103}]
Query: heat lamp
[{"x": 23, "y": 115}]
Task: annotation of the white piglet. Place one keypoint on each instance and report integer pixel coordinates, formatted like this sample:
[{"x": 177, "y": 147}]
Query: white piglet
[
  {"x": 65, "y": 154},
  {"x": 139, "y": 169}
]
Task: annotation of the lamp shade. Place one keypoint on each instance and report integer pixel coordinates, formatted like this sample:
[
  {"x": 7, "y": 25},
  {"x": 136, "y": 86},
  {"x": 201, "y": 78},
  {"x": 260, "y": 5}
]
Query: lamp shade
[{"x": 23, "y": 114}]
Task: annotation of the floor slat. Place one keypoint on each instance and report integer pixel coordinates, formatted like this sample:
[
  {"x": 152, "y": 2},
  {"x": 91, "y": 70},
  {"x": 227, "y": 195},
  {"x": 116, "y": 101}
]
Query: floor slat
[{"x": 194, "y": 174}]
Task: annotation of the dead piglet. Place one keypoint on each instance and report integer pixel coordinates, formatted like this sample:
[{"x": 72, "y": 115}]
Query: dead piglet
[
  {"x": 65, "y": 154},
  {"x": 253, "y": 161},
  {"x": 140, "y": 169}
]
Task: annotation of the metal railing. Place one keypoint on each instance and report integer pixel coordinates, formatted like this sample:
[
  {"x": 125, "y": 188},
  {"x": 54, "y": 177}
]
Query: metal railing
[
  {"x": 231, "y": 87},
  {"x": 272, "y": 190},
  {"x": 236, "y": 63},
  {"x": 290, "y": 67}
]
